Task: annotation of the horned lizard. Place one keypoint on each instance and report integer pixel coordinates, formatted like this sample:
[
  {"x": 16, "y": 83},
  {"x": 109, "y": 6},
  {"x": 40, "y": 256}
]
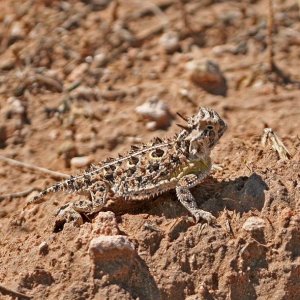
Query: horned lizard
[{"x": 147, "y": 171}]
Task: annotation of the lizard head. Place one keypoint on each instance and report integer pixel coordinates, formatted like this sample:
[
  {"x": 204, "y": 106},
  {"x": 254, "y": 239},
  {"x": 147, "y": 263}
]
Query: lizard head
[{"x": 202, "y": 131}]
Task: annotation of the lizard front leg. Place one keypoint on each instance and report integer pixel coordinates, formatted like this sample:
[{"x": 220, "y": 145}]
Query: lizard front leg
[{"x": 188, "y": 201}]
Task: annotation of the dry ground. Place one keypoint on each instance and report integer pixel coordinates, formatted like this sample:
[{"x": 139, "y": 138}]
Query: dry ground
[{"x": 72, "y": 74}]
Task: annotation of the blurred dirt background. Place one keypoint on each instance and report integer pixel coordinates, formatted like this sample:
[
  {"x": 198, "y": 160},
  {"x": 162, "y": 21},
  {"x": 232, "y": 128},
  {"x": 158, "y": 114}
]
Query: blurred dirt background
[{"x": 83, "y": 80}]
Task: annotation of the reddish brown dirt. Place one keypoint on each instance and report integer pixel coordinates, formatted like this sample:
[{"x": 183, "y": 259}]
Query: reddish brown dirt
[{"x": 47, "y": 49}]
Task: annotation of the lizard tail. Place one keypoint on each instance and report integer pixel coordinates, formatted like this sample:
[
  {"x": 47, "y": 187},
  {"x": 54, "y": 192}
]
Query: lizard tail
[{"x": 70, "y": 184}]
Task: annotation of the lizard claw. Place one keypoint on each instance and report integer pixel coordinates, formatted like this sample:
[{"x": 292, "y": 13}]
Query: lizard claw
[
  {"x": 66, "y": 214},
  {"x": 205, "y": 216}
]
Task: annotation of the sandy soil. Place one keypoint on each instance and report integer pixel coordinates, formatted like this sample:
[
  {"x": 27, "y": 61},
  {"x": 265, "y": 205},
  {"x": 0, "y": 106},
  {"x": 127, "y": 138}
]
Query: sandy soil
[{"x": 71, "y": 76}]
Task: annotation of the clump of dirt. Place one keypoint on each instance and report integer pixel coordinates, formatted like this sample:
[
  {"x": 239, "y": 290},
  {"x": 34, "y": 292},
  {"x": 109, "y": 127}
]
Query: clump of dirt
[{"x": 72, "y": 74}]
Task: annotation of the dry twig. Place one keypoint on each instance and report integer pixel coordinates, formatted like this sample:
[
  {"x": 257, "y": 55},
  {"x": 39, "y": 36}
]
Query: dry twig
[
  {"x": 270, "y": 137},
  {"x": 149, "y": 32},
  {"x": 43, "y": 79},
  {"x": 19, "y": 194},
  {"x": 271, "y": 62},
  {"x": 14, "y": 294},
  {"x": 55, "y": 175}
]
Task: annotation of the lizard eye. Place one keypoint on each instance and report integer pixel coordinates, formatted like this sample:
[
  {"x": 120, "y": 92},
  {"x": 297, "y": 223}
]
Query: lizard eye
[{"x": 209, "y": 127}]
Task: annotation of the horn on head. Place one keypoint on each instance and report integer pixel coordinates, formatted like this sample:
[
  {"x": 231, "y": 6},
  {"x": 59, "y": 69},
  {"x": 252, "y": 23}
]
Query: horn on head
[
  {"x": 182, "y": 117},
  {"x": 183, "y": 127}
]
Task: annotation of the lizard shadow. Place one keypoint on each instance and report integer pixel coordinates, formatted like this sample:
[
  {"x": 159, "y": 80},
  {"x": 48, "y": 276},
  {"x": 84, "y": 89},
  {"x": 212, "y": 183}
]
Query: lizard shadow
[{"x": 241, "y": 194}]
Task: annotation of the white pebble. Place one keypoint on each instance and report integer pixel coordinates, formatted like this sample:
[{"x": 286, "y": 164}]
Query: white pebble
[
  {"x": 17, "y": 30},
  {"x": 170, "y": 41},
  {"x": 107, "y": 247},
  {"x": 80, "y": 162},
  {"x": 157, "y": 111},
  {"x": 16, "y": 106},
  {"x": 43, "y": 248},
  {"x": 254, "y": 224}
]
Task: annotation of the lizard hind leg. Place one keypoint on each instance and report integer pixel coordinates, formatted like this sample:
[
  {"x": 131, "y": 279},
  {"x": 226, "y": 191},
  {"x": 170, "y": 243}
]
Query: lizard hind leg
[
  {"x": 98, "y": 193},
  {"x": 186, "y": 198},
  {"x": 83, "y": 206}
]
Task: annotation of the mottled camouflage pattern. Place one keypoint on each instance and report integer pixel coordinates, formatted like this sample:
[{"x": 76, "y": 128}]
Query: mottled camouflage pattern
[{"x": 149, "y": 170}]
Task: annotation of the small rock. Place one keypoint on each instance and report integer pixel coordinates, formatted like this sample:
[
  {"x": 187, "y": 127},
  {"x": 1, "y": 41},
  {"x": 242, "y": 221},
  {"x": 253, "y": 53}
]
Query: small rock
[
  {"x": 223, "y": 49},
  {"x": 157, "y": 112},
  {"x": 80, "y": 162},
  {"x": 123, "y": 33},
  {"x": 53, "y": 134},
  {"x": 16, "y": 110},
  {"x": 110, "y": 247},
  {"x": 83, "y": 137},
  {"x": 187, "y": 95},
  {"x": 170, "y": 41},
  {"x": 8, "y": 19},
  {"x": 100, "y": 60},
  {"x": 105, "y": 223},
  {"x": 134, "y": 139},
  {"x": 207, "y": 75},
  {"x": 17, "y": 33},
  {"x": 3, "y": 213},
  {"x": 254, "y": 224},
  {"x": 17, "y": 30},
  {"x": 72, "y": 23},
  {"x": 67, "y": 151},
  {"x": 68, "y": 148},
  {"x": 112, "y": 95},
  {"x": 16, "y": 106},
  {"x": 220, "y": 50},
  {"x": 43, "y": 248},
  {"x": 7, "y": 64},
  {"x": 153, "y": 75},
  {"x": 203, "y": 71},
  {"x": 151, "y": 125},
  {"x": 253, "y": 193}
]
